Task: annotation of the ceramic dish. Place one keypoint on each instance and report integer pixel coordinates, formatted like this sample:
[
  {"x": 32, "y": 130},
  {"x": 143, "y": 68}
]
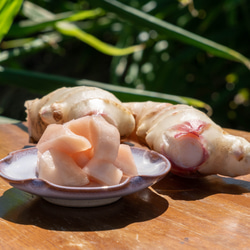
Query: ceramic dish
[{"x": 19, "y": 170}]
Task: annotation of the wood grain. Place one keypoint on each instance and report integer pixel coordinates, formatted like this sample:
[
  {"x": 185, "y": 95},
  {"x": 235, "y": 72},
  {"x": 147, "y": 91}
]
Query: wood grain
[{"x": 176, "y": 213}]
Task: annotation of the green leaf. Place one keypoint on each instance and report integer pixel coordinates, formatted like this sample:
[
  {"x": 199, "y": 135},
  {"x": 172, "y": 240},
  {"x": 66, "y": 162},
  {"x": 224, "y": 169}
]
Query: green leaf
[
  {"x": 69, "y": 29},
  {"x": 28, "y": 27},
  {"x": 61, "y": 22},
  {"x": 8, "y": 10},
  {"x": 162, "y": 27},
  {"x": 34, "y": 81}
]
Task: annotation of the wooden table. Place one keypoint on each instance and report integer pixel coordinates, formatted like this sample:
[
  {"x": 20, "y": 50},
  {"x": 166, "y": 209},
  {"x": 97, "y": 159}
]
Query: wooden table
[{"x": 176, "y": 213}]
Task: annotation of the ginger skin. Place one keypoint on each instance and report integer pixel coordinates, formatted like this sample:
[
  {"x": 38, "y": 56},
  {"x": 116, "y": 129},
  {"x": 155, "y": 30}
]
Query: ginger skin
[
  {"x": 65, "y": 104},
  {"x": 193, "y": 143}
]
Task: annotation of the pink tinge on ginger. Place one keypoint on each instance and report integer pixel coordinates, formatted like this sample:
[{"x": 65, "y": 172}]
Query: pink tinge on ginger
[
  {"x": 84, "y": 151},
  {"x": 187, "y": 150},
  {"x": 195, "y": 127}
]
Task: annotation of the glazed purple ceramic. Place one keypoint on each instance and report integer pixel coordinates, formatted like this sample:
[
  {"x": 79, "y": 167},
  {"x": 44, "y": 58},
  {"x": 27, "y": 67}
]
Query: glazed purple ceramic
[{"x": 19, "y": 170}]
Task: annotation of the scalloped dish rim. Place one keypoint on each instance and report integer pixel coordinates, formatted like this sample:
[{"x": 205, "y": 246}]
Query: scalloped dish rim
[{"x": 82, "y": 196}]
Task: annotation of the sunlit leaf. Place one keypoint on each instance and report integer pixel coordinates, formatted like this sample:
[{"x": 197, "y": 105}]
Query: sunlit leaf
[
  {"x": 8, "y": 10},
  {"x": 72, "y": 30},
  {"x": 164, "y": 28}
]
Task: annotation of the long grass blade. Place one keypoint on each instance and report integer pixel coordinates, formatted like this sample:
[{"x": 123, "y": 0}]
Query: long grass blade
[
  {"x": 70, "y": 29},
  {"x": 143, "y": 19},
  {"x": 33, "y": 81}
]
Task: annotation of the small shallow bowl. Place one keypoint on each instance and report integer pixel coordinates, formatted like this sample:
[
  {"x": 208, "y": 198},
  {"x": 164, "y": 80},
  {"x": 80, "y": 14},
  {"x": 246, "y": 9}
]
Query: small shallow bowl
[{"x": 19, "y": 170}]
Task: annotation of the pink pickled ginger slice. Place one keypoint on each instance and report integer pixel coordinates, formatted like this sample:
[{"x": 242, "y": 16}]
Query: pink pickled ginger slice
[
  {"x": 56, "y": 136},
  {"x": 59, "y": 168},
  {"x": 104, "y": 137},
  {"x": 125, "y": 161},
  {"x": 105, "y": 173},
  {"x": 83, "y": 157}
]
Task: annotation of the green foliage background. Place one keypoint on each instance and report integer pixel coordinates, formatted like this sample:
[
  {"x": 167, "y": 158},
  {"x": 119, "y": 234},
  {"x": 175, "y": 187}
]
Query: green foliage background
[{"x": 203, "y": 55}]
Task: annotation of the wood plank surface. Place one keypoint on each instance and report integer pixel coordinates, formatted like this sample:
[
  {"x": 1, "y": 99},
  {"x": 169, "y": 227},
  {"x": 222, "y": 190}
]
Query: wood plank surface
[{"x": 176, "y": 213}]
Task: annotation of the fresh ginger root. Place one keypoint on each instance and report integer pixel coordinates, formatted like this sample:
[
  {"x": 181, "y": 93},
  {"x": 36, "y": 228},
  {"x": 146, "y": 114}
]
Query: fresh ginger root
[
  {"x": 193, "y": 143},
  {"x": 65, "y": 104}
]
